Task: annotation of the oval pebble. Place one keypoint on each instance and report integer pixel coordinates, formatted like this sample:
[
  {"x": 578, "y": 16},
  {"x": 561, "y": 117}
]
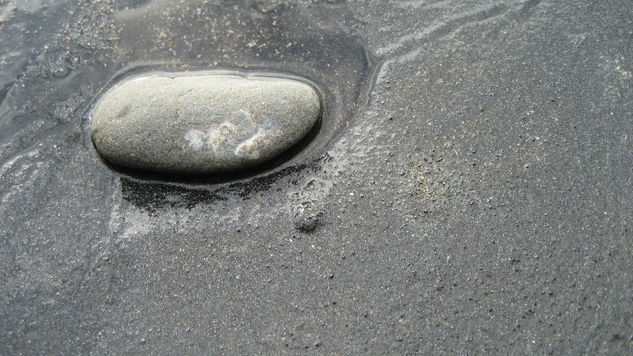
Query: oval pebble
[{"x": 202, "y": 123}]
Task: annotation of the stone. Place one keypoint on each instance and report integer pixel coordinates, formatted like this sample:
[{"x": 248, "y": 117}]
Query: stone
[{"x": 202, "y": 123}]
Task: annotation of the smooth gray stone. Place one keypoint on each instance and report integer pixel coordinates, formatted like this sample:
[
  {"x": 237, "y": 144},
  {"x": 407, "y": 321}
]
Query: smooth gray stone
[{"x": 202, "y": 123}]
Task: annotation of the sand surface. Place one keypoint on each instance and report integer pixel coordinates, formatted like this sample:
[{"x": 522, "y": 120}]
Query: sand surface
[{"x": 469, "y": 191}]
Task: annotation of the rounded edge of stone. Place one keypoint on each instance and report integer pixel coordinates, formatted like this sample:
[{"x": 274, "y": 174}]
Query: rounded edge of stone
[{"x": 95, "y": 123}]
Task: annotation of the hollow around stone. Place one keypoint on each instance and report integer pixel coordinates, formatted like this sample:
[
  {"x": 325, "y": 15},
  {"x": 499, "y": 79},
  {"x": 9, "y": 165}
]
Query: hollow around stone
[{"x": 202, "y": 123}]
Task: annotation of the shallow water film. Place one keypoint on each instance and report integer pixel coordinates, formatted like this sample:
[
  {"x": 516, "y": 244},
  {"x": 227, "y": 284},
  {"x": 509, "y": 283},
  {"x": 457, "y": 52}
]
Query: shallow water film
[{"x": 466, "y": 191}]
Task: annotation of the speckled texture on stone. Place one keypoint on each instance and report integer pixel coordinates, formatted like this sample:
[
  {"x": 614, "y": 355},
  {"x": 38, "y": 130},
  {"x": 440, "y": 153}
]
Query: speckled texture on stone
[{"x": 204, "y": 123}]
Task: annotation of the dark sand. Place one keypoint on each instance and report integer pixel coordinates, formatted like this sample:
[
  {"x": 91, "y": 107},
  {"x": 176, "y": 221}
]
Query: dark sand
[{"x": 469, "y": 191}]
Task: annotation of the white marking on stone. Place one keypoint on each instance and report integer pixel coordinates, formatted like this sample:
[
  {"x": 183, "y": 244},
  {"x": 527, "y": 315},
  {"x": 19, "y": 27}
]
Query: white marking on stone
[
  {"x": 247, "y": 115},
  {"x": 218, "y": 136},
  {"x": 224, "y": 138},
  {"x": 251, "y": 120},
  {"x": 251, "y": 147},
  {"x": 196, "y": 139}
]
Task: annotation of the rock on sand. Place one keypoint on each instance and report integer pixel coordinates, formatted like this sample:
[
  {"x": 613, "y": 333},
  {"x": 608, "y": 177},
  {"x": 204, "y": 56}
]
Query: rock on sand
[{"x": 202, "y": 123}]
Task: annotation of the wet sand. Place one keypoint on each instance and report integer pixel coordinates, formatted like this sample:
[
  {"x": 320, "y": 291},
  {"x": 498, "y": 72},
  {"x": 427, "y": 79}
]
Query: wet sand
[{"x": 467, "y": 192}]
